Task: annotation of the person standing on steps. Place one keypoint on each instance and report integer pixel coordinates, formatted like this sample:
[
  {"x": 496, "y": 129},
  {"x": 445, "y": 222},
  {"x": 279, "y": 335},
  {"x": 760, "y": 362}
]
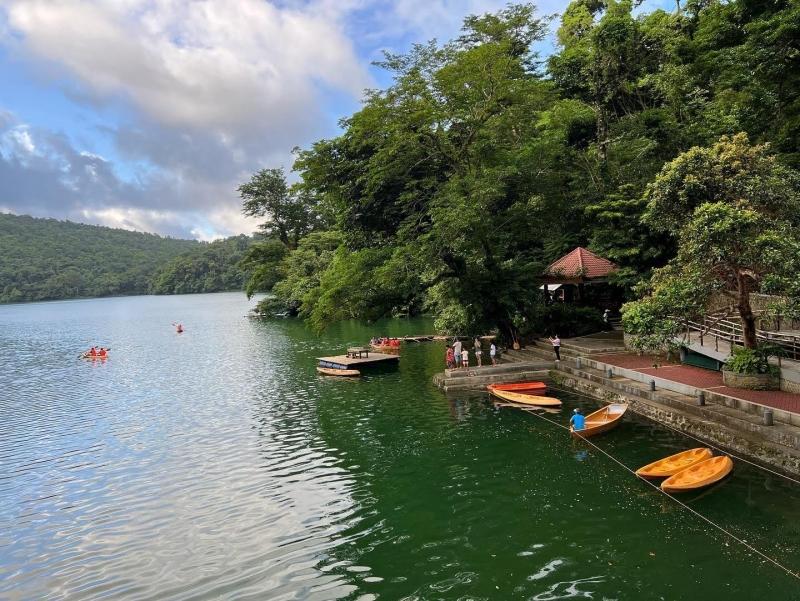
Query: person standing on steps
[
  {"x": 493, "y": 353},
  {"x": 556, "y": 342},
  {"x": 478, "y": 350},
  {"x": 457, "y": 352},
  {"x": 465, "y": 358},
  {"x": 606, "y": 313}
]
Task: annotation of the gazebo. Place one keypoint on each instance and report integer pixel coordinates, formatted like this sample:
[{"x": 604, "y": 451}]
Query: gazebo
[{"x": 581, "y": 277}]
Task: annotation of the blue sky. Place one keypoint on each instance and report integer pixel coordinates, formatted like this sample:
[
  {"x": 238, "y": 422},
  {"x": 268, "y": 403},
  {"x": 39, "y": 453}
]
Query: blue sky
[{"x": 146, "y": 114}]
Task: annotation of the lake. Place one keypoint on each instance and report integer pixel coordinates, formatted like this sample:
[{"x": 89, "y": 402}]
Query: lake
[{"x": 217, "y": 464}]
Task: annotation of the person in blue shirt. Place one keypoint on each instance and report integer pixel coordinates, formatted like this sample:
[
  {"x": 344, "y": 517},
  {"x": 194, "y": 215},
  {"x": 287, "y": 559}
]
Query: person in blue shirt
[{"x": 577, "y": 421}]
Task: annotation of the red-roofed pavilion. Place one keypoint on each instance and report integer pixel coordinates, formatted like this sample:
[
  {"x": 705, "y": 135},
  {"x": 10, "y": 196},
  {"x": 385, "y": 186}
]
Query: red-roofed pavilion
[
  {"x": 579, "y": 267},
  {"x": 573, "y": 278}
]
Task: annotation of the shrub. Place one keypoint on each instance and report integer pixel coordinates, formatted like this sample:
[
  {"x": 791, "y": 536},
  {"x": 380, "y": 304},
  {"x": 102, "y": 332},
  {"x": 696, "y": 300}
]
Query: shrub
[{"x": 753, "y": 360}]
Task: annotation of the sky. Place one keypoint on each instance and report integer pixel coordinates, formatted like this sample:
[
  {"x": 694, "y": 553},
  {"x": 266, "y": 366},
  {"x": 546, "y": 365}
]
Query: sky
[{"x": 147, "y": 114}]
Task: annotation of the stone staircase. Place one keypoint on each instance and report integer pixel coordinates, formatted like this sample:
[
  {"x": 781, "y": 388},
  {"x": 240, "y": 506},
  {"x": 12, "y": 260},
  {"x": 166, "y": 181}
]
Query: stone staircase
[{"x": 477, "y": 378}]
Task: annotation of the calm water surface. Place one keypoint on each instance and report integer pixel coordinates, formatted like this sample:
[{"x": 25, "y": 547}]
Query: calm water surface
[{"x": 218, "y": 465}]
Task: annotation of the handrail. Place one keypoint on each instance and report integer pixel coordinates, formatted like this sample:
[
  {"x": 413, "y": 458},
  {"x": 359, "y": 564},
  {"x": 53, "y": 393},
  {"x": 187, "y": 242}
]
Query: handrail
[{"x": 731, "y": 332}]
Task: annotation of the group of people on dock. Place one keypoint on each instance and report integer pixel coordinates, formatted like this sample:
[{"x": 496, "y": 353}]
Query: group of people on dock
[{"x": 457, "y": 355}]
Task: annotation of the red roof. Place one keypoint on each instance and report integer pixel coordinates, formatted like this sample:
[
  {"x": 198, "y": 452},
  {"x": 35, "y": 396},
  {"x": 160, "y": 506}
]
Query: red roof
[{"x": 580, "y": 264}]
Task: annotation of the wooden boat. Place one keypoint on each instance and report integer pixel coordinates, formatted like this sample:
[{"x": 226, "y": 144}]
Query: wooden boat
[
  {"x": 699, "y": 475},
  {"x": 532, "y": 387},
  {"x": 669, "y": 466},
  {"x": 601, "y": 420},
  {"x": 329, "y": 371},
  {"x": 526, "y": 399}
]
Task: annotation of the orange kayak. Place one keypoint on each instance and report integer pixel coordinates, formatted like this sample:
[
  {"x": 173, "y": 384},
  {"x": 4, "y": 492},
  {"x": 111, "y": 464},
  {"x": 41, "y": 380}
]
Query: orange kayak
[
  {"x": 526, "y": 399},
  {"x": 95, "y": 356},
  {"x": 601, "y": 420},
  {"x": 385, "y": 348},
  {"x": 533, "y": 387},
  {"x": 699, "y": 475},
  {"x": 327, "y": 371},
  {"x": 669, "y": 466}
]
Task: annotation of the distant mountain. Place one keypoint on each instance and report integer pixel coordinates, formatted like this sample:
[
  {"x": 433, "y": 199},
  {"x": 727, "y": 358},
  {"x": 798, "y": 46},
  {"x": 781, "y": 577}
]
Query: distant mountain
[{"x": 45, "y": 259}]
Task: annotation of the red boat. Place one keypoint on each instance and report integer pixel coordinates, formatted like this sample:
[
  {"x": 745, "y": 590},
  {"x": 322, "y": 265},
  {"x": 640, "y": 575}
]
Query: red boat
[{"x": 533, "y": 387}]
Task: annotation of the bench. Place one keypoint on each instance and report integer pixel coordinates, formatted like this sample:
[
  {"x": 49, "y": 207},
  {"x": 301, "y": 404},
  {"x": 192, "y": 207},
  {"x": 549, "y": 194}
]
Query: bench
[{"x": 358, "y": 352}]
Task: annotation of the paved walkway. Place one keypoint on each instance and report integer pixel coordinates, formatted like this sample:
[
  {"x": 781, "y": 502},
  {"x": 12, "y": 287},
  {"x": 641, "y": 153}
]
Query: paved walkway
[{"x": 701, "y": 378}]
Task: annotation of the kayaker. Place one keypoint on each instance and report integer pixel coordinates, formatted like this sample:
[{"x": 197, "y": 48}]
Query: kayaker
[
  {"x": 103, "y": 352},
  {"x": 178, "y": 328},
  {"x": 92, "y": 352},
  {"x": 577, "y": 421}
]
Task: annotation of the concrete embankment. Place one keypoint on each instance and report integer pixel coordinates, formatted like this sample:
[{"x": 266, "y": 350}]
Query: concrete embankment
[{"x": 733, "y": 424}]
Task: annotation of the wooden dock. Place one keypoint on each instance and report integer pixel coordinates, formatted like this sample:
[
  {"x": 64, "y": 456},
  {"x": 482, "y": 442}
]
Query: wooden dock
[{"x": 345, "y": 362}]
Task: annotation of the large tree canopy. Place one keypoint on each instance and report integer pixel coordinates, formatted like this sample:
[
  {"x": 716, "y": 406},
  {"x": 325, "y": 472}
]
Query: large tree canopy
[
  {"x": 453, "y": 187},
  {"x": 735, "y": 212}
]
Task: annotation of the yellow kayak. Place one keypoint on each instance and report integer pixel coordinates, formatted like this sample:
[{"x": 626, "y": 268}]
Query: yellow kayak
[
  {"x": 699, "y": 475},
  {"x": 669, "y": 466},
  {"x": 526, "y": 399}
]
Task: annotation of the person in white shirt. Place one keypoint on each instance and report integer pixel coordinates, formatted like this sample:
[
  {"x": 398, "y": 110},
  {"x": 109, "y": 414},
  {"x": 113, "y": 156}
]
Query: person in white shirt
[
  {"x": 492, "y": 353},
  {"x": 465, "y": 358},
  {"x": 457, "y": 352},
  {"x": 556, "y": 342}
]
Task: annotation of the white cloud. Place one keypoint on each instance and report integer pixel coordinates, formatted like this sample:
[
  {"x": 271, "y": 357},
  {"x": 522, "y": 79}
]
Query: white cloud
[
  {"x": 212, "y": 64},
  {"x": 203, "y": 93}
]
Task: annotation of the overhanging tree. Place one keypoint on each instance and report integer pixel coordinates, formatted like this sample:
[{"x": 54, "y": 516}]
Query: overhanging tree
[{"x": 734, "y": 212}]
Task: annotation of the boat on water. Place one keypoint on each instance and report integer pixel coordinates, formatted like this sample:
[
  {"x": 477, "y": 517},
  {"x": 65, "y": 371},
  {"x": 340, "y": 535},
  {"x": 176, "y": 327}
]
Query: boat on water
[
  {"x": 88, "y": 356},
  {"x": 532, "y": 387},
  {"x": 699, "y": 475},
  {"x": 669, "y": 466},
  {"x": 329, "y": 371},
  {"x": 601, "y": 420},
  {"x": 526, "y": 399},
  {"x": 385, "y": 348}
]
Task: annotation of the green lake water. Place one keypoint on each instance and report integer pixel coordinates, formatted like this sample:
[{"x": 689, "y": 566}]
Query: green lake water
[{"x": 217, "y": 464}]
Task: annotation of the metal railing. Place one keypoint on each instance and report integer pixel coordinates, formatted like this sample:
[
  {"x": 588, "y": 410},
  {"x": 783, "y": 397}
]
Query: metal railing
[{"x": 731, "y": 332}]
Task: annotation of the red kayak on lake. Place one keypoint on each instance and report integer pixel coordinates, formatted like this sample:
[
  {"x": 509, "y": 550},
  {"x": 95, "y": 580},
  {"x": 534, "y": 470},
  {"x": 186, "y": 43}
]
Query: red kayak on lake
[{"x": 532, "y": 387}]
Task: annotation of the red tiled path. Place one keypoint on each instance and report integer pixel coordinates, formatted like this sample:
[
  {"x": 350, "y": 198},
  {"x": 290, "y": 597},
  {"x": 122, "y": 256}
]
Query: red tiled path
[{"x": 701, "y": 378}]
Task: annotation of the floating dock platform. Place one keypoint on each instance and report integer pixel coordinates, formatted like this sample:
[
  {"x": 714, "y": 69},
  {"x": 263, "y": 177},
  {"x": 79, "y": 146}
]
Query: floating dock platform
[{"x": 345, "y": 362}]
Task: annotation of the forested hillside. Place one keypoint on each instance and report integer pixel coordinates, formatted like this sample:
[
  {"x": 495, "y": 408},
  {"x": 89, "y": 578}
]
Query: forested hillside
[
  {"x": 44, "y": 259},
  {"x": 210, "y": 267}
]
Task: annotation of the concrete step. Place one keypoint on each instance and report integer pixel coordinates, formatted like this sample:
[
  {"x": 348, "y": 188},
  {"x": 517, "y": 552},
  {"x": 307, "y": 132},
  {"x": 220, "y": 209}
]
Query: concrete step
[
  {"x": 480, "y": 382},
  {"x": 501, "y": 369}
]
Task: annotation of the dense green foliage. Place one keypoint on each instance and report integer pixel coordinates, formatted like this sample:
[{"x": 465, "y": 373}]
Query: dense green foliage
[
  {"x": 212, "y": 267},
  {"x": 451, "y": 189},
  {"x": 735, "y": 212},
  {"x": 753, "y": 360},
  {"x": 44, "y": 259}
]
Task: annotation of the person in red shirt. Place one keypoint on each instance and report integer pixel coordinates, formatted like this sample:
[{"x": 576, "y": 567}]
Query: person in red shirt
[{"x": 92, "y": 352}]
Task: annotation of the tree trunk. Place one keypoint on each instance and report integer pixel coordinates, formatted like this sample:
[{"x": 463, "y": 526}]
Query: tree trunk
[{"x": 746, "y": 313}]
